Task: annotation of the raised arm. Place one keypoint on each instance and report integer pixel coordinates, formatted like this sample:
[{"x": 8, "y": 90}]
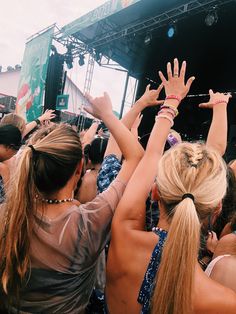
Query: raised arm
[
  {"x": 148, "y": 99},
  {"x": 130, "y": 213},
  {"x": 217, "y": 135},
  {"x": 132, "y": 151},
  {"x": 47, "y": 115},
  {"x": 89, "y": 135}
]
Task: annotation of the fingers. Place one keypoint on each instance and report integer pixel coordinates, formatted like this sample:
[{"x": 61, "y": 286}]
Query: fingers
[
  {"x": 204, "y": 105},
  {"x": 160, "y": 102},
  {"x": 169, "y": 71},
  {"x": 176, "y": 67},
  {"x": 162, "y": 77},
  {"x": 88, "y": 97},
  {"x": 148, "y": 88},
  {"x": 159, "y": 88},
  {"x": 189, "y": 82},
  {"x": 183, "y": 70},
  {"x": 88, "y": 109}
]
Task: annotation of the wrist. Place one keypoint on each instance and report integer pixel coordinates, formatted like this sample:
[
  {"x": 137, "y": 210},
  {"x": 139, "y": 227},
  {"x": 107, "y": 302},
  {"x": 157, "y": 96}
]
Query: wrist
[
  {"x": 172, "y": 102},
  {"x": 140, "y": 104},
  {"x": 38, "y": 121}
]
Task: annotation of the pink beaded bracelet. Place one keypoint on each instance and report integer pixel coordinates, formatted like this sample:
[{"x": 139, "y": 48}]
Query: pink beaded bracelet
[
  {"x": 174, "y": 97},
  {"x": 221, "y": 102}
]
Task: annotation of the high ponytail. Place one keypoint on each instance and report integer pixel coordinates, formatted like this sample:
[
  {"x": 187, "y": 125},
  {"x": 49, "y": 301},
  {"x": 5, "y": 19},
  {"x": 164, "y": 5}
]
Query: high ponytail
[
  {"x": 176, "y": 272},
  {"x": 185, "y": 169}
]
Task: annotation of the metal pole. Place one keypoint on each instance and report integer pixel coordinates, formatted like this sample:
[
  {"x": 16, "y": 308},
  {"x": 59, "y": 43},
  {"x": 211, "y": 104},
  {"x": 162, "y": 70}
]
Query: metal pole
[{"x": 124, "y": 95}]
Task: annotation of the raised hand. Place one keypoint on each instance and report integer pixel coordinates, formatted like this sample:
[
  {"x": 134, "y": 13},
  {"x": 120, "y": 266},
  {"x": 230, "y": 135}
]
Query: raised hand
[
  {"x": 175, "y": 82},
  {"x": 149, "y": 98},
  {"x": 216, "y": 98},
  {"x": 48, "y": 115},
  {"x": 99, "y": 106}
]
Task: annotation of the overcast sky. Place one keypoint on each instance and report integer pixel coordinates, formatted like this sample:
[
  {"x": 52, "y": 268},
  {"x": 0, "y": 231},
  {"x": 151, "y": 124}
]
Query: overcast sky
[{"x": 22, "y": 18}]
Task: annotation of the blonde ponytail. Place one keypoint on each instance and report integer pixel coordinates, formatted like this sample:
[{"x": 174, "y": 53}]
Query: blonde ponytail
[
  {"x": 178, "y": 262},
  {"x": 19, "y": 210},
  {"x": 197, "y": 170}
]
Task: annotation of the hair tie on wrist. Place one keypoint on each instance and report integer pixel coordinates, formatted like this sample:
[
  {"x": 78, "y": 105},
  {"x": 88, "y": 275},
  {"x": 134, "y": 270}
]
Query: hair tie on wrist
[{"x": 188, "y": 195}]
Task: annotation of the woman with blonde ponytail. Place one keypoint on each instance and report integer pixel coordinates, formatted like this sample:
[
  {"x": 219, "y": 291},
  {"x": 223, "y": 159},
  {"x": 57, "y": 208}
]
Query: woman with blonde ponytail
[
  {"x": 158, "y": 271},
  {"x": 49, "y": 243}
]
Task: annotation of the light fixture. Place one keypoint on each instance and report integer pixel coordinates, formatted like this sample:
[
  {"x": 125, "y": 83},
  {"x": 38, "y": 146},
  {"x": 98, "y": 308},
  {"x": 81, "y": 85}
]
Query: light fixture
[
  {"x": 81, "y": 60},
  {"x": 172, "y": 30},
  {"x": 148, "y": 39},
  {"x": 211, "y": 18}
]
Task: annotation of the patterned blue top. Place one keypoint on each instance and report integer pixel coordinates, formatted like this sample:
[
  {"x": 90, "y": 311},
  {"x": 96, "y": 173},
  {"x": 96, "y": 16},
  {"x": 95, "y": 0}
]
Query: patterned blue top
[
  {"x": 149, "y": 282},
  {"x": 109, "y": 170}
]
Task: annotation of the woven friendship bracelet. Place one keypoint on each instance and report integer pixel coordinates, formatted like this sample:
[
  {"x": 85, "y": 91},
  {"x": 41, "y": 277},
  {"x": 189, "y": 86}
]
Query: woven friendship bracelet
[{"x": 163, "y": 116}]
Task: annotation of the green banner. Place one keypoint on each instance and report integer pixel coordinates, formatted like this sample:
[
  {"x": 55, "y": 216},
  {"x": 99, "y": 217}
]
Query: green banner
[
  {"x": 29, "y": 102},
  {"x": 103, "y": 11}
]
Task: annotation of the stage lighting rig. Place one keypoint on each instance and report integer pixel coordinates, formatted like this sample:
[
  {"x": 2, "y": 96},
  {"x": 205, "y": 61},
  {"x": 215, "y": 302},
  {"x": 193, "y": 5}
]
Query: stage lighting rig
[
  {"x": 148, "y": 39},
  {"x": 212, "y": 17},
  {"x": 172, "y": 30}
]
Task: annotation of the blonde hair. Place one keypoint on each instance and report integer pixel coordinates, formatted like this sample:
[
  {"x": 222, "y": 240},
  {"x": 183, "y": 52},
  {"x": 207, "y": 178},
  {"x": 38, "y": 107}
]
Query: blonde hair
[
  {"x": 14, "y": 119},
  {"x": 185, "y": 168},
  {"x": 42, "y": 169}
]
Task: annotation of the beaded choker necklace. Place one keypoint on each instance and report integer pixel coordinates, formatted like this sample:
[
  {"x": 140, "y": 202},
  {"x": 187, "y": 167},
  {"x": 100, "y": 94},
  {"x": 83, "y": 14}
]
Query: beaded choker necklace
[{"x": 55, "y": 201}]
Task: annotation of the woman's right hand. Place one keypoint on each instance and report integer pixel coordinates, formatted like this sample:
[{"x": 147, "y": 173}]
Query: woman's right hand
[
  {"x": 99, "y": 106},
  {"x": 175, "y": 83}
]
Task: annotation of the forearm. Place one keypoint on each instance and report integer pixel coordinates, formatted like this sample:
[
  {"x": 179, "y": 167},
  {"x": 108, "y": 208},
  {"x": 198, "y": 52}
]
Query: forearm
[
  {"x": 129, "y": 146},
  {"x": 130, "y": 117},
  {"x": 29, "y": 127},
  {"x": 132, "y": 205},
  {"x": 89, "y": 135},
  {"x": 217, "y": 136},
  {"x": 128, "y": 120}
]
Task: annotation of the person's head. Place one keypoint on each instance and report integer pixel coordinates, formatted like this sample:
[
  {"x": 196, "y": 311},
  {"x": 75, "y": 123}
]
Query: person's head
[
  {"x": 50, "y": 162},
  {"x": 10, "y": 141},
  {"x": 185, "y": 169},
  {"x": 228, "y": 204},
  {"x": 96, "y": 150},
  {"x": 14, "y": 119}
]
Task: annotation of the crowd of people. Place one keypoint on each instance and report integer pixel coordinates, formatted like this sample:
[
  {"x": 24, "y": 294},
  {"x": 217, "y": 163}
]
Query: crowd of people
[{"x": 90, "y": 224}]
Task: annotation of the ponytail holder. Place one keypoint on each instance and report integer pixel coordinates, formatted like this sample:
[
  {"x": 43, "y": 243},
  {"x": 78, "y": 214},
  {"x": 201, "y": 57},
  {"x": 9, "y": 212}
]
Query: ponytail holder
[
  {"x": 188, "y": 195},
  {"x": 33, "y": 149}
]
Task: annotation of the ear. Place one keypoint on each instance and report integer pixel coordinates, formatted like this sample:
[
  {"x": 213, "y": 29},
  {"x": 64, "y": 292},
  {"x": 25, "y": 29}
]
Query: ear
[
  {"x": 79, "y": 168},
  {"x": 155, "y": 194}
]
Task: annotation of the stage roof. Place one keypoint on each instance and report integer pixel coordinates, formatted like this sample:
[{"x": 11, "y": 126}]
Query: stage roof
[{"x": 117, "y": 29}]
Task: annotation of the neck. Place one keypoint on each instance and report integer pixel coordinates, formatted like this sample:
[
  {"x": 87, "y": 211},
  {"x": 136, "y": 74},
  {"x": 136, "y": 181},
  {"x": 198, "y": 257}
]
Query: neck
[{"x": 163, "y": 221}]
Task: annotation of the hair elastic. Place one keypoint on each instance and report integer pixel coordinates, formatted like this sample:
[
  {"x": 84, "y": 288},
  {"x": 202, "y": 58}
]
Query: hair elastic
[
  {"x": 33, "y": 149},
  {"x": 188, "y": 195}
]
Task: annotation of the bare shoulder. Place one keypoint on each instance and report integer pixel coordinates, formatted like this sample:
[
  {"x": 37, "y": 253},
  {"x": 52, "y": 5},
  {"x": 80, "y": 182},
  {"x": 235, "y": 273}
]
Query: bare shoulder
[{"x": 226, "y": 245}]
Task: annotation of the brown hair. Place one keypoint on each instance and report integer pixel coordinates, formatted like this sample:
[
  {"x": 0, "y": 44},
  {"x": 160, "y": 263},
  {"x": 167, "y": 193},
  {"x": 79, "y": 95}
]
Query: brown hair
[
  {"x": 44, "y": 168},
  {"x": 14, "y": 119},
  {"x": 195, "y": 169}
]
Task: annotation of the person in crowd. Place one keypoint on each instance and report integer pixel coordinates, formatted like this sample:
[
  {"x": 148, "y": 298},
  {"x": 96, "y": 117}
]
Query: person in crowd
[
  {"x": 49, "y": 243},
  {"x": 222, "y": 268},
  {"x": 94, "y": 154},
  {"x": 10, "y": 142},
  {"x": 19, "y": 122},
  {"x": 190, "y": 185}
]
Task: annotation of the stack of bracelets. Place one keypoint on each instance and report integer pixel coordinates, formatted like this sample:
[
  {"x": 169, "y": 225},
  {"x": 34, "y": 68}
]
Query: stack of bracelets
[{"x": 169, "y": 112}]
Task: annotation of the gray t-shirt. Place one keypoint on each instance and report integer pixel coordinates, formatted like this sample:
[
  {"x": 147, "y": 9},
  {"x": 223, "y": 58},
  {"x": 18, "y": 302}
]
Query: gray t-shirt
[{"x": 64, "y": 253}]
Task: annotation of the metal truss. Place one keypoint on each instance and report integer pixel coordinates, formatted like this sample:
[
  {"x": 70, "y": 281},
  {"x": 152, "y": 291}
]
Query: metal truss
[
  {"x": 148, "y": 25},
  {"x": 110, "y": 33}
]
